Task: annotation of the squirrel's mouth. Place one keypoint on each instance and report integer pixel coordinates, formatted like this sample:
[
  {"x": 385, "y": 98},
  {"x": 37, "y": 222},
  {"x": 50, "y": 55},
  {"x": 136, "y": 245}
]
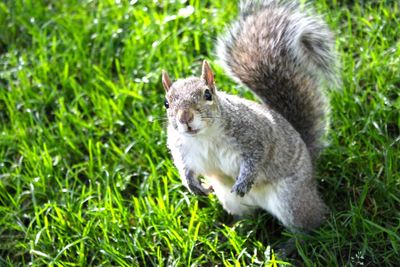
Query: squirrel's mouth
[{"x": 191, "y": 131}]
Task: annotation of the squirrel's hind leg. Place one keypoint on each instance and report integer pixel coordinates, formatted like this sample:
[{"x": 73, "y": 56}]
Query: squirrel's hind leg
[{"x": 296, "y": 203}]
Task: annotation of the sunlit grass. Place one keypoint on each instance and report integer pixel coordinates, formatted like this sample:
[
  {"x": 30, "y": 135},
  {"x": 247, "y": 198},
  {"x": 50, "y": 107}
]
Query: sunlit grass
[{"x": 85, "y": 175}]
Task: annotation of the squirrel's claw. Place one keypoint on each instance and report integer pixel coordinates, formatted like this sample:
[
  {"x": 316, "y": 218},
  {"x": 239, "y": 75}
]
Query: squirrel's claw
[{"x": 241, "y": 188}]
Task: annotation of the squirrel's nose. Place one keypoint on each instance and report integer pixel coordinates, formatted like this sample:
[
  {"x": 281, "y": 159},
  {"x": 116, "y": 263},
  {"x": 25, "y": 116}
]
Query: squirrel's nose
[{"x": 185, "y": 116}]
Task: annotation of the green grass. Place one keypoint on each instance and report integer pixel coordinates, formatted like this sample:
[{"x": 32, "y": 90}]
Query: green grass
[{"x": 85, "y": 175}]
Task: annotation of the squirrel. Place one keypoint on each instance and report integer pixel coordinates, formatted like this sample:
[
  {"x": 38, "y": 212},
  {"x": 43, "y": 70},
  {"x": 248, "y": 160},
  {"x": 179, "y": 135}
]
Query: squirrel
[{"x": 258, "y": 155}]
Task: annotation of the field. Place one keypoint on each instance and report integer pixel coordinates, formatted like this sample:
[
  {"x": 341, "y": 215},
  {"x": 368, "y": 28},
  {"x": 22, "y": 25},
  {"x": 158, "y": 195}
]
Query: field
[{"x": 85, "y": 175}]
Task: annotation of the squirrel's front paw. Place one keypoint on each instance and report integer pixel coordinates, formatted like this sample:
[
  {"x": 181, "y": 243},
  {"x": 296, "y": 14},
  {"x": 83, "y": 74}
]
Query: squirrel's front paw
[
  {"x": 241, "y": 188},
  {"x": 199, "y": 190},
  {"x": 195, "y": 186}
]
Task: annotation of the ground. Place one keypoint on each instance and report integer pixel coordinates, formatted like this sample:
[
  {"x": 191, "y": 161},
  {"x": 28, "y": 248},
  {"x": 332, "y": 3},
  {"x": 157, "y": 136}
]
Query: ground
[{"x": 85, "y": 175}]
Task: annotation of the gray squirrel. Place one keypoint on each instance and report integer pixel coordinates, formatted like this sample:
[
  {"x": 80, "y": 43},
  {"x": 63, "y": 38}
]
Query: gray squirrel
[{"x": 258, "y": 155}]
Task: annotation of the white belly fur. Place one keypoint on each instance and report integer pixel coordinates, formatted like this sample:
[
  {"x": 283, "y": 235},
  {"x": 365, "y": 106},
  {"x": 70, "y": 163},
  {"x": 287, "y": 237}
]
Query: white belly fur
[
  {"x": 260, "y": 196},
  {"x": 219, "y": 163}
]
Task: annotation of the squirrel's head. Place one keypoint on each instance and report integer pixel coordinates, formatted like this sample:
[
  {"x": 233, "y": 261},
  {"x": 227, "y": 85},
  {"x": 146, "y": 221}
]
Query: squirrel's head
[{"x": 191, "y": 103}]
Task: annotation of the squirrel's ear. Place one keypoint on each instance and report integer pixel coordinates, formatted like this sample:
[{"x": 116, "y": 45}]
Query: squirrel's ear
[
  {"x": 207, "y": 75},
  {"x": 166, "y": 81}
]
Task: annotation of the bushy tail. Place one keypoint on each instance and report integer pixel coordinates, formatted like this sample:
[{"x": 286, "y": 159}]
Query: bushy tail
[{"x": 284, "y": 54}]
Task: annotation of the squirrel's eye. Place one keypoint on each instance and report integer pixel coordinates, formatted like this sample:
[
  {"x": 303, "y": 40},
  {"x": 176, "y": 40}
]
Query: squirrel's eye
[
  {"x": 166, "y": 104},
  {"x": 207, "y": 95}
]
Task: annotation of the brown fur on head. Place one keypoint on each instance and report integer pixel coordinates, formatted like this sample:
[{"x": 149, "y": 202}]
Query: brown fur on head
[{"x": 191, "y": 102}]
